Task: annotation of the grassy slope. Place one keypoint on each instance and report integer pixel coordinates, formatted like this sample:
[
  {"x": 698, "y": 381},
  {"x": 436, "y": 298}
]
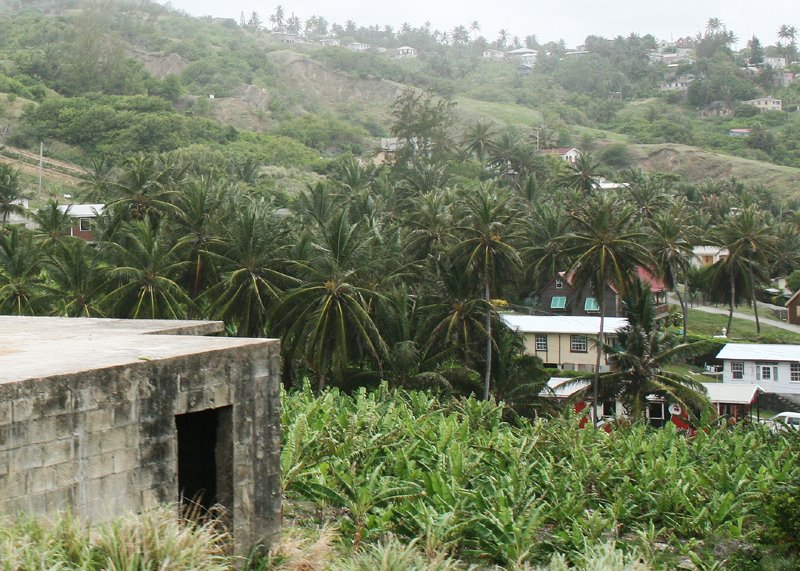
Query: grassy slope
[
  {"x": 697, "y": 164},
  {"x": 742, "y": 330}
]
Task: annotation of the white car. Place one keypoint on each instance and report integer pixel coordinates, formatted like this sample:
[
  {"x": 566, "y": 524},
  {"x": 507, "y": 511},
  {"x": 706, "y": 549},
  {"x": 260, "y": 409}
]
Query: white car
[{"x": 784, "y": 420}]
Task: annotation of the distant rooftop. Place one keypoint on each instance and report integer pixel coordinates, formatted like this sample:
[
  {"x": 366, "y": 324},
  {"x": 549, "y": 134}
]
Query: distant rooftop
[{"x": 562, "y": 324}]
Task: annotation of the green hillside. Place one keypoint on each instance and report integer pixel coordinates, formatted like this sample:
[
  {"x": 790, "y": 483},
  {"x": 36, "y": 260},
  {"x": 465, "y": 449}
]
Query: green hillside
[{"x": 109, "y": 79}]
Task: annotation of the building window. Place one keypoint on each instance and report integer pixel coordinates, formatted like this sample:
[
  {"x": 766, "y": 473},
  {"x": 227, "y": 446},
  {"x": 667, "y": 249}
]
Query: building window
[
  {"x": 559, "y": 283},
  {"x": 794, "y": 372},
  {"x": 558, "y": 302},
  {"x": 737, "y": 370},
  {"x": 591, "y": 305},
  {"x": 656, "y": 411},
  {"x": 766, "y": 372},
  {"x": 541, "y": 342},
  {"x": 85, "y": 224},
  {"x": 577, "y": 343}
]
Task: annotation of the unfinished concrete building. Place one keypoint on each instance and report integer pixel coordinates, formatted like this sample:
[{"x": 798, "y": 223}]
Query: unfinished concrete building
[{"x": 108, "y": 416}]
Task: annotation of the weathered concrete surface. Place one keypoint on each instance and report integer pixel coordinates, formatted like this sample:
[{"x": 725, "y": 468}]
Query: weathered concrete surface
[{"x": 87, "y": 416}]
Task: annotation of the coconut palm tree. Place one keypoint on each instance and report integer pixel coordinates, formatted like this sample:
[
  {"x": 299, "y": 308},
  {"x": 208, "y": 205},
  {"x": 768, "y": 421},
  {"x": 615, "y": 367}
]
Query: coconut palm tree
[
  {"x": 605, "y": 247},
  {"x": 546, "y": 252},
  {"x": 199, "y": 207},
  {"x": 478, "y": 140},
  {"x": 144, "y": 270},
  {"x": 429, "y": 222},
  {"x": 251, "y": 259},
  {"x": 10, "y": 194},
  {"x": 53, "y": 224},
  {"x": 327, "y": 319},
  {"x": 748, "y": 236},
  {"x": 671, "y": 243},
  {"x": 144, "y": 187},
  {"x": 22, "y": 289},
  {"x": 96, "y": 184},
  {"x": 582, "y": 175},
  {"x": 455, "y": 318},
  {"x": 77, "y": 279},
  {"x": 487, "y": 247}
]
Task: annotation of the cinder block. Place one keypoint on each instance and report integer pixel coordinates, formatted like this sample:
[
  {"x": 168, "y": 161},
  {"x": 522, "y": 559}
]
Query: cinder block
[
  {"x": 22, "y": 409},
  {"x": 98, "y": 420},
  {"x": 27, "y": 457},
  {"x": 125, "y": 460},
  {"x": 114, "y": 439},
  {"x": 101, "y": 465},
  {"x": 40, "y": 480},
  {"x": 6, "y": 412},
  {"x": 58, "y": 451},
  {"x": 42, "y": 429}
]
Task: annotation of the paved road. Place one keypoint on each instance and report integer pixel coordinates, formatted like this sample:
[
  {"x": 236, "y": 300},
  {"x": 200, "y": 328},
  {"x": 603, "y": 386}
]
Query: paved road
[{"x": 763, "y": 309}]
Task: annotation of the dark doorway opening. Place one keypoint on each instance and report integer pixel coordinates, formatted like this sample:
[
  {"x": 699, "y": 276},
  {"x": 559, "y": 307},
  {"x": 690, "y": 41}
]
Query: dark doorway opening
[{"x": 205, "y": 459}]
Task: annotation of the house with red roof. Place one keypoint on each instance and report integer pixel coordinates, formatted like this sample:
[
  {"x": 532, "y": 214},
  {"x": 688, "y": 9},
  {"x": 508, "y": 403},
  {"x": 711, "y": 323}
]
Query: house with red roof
[
  {"x": 793, "y": 305},
  {"x": 561, "y": 296}
]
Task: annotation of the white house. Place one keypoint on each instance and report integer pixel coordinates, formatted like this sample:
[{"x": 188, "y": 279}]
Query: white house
[
  {"x": 703, "y": 256},
  {"x": 565, "y": 341},
  {"x": 569, "y": 154},
  {"x": 680, "y": 84},
  {"x": 774, "y": 62},
  {"x": 83, "y": 216},
  {"x": 330, "y": 42},
  {"x": 358, "y": 47},
  {"x": 774, "y": 368},
  {"x": 520, "y": 52},
  {"x": 493, "y": 54},
  {"x": 731, "y": 401},
  {"x": 405, "y": 51},
  {"x": 523, "y": 56},
  {"x": 765, "y": 104}
]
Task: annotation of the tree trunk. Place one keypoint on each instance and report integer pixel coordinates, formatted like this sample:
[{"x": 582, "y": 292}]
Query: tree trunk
[
  {"x": 596, "y": 382},
  {"x": 683, "y": 302},
  {"x": 730, "y": 310},
  {"x": 488, "y": 374},
  {"x": 753, "y": 297}
]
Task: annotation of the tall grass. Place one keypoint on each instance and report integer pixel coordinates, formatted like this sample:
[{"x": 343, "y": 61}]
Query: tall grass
[{"x": 153, "y": 541}]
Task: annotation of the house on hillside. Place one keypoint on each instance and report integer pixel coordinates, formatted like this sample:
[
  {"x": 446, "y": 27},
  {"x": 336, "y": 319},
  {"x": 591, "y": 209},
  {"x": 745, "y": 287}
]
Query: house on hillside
[
  {"x": 330, "y": 42},
  {"x": 358, "y": 47},
  {"x": 286, "y": 38},
  {"x": 565, "y": 342},
  {"x": 569, "y": 154},
  {"x": 740, "y": 132},
  {"x": 774, "y": 62},
  {"x": 523, "y": 56},
  {"x": 785, "y": 78},
  {"x": 765, "y": 104},
  {"x": 793, "y": 307},
  {"x": 83, "y": 217},
  {"x": 405, "y": 52},
  {"x": 15, "y": 219},
  {"x": 704, "y": 256},
  {"x": 560, "y": 296},
  {"x": 679, "y": 84},
  {"x": 493, "y": 54},
  {"x": 774, "y": 368}
]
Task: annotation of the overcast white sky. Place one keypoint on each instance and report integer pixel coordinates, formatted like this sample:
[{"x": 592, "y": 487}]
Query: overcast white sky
[{"x": 571, "y": 20}]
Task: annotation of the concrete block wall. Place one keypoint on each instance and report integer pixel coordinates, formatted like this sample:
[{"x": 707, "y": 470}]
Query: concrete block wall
[{"x": 102, "y": 442}]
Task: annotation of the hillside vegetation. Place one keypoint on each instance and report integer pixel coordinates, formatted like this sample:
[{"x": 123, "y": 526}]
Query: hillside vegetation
[{"x": 145, "y": 76}]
